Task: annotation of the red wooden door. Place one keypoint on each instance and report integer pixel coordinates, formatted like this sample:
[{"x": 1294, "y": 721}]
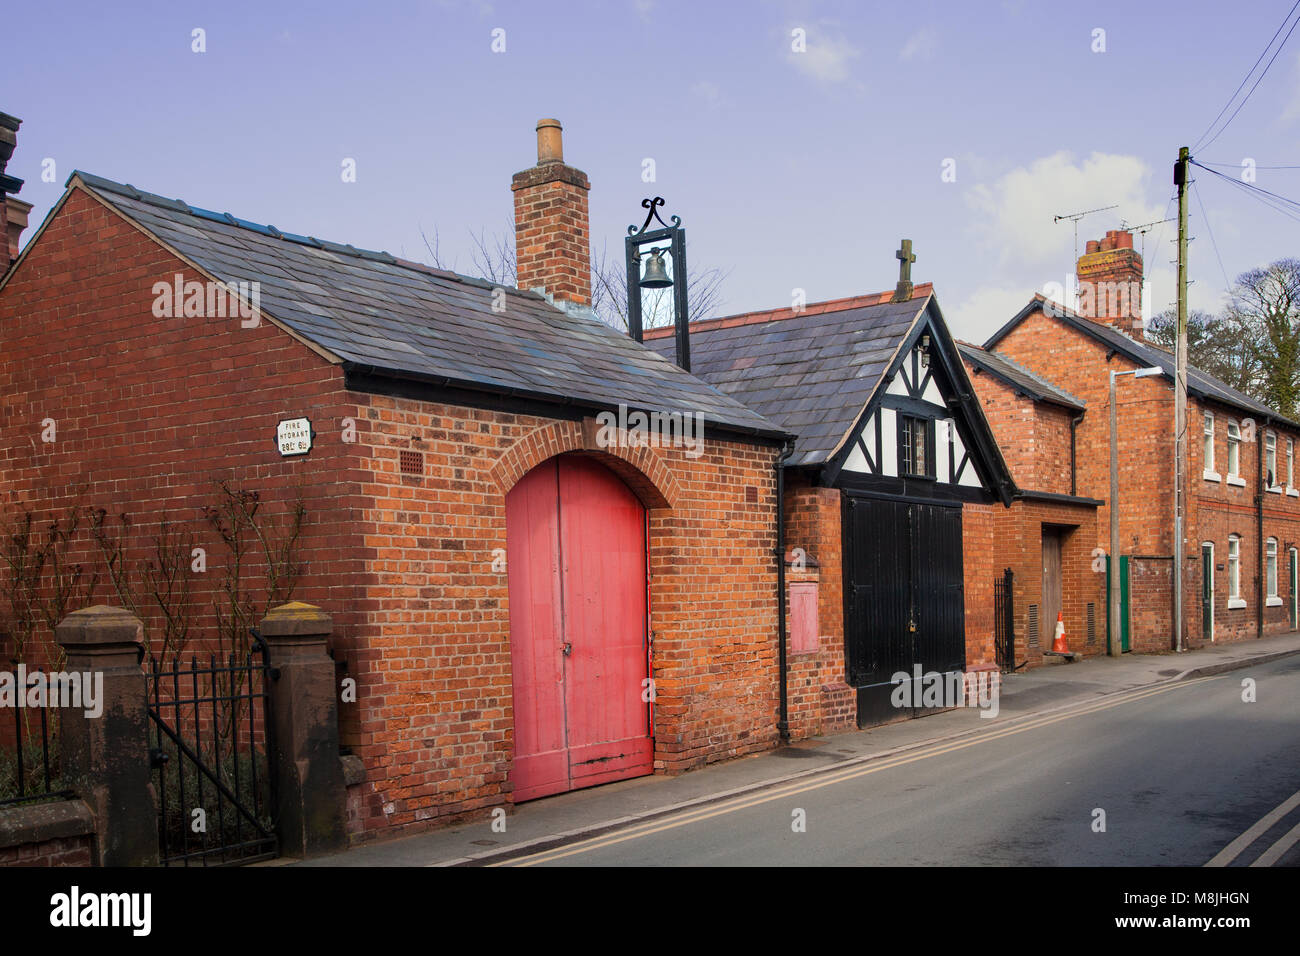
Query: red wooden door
[{"x": 576, "y": 555}]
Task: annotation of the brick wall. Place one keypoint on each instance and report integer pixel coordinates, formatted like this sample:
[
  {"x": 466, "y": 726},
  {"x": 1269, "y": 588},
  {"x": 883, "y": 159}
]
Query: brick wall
[
  {"x": 1078, "y": 364},
  {"x": 46, "y": 833},
  {"x": 434, "y": 677},
  {"x": 1034, "y": 436},
  {"x": 1018, "y": 544},
  {"x": 819, "y": 700},
  {"x": 1035, "y": 441},
  {"x": 149, "y": 414},
  {"x": 981, "y": 563},
  {"x": 63, "y": 851},
  {"x": 1219, "y": 507}
]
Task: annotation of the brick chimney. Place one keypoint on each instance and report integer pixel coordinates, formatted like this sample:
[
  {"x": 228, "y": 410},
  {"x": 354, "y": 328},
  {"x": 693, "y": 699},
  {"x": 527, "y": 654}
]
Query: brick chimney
[
  {"x": 13, "y": 211},
  {"x": 552, "y": 244},
  {"x": 1110, "y": 282}
]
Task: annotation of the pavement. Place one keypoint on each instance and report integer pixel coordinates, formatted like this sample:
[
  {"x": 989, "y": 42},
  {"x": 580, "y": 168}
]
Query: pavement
[{"x": 554, "y": 821}]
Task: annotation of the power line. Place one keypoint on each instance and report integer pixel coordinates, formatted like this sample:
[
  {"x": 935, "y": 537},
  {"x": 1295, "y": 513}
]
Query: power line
[
  {"x": 1238, "y": 165},
  {"x": 1227, "y": 283},
  {"x": 1288, "y": 207},
  {"x": 1247, "y": 77},
  {"x": 1263, "y": 197}
]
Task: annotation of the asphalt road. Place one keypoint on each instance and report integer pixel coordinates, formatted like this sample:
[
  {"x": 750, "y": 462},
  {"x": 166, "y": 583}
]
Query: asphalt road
[{"x": 1180, "y": 771}]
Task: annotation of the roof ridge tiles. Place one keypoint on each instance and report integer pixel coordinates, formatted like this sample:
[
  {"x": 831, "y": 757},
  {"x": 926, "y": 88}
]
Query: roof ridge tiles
[{"x": 865, "y": 300}]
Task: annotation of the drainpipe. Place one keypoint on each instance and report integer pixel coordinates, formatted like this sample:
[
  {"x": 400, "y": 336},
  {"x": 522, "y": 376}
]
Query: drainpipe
[
  {"x": 1259, "y": 535},
  {"x": 1074, "y": 459},
  {"x": 783, "y": 718}
]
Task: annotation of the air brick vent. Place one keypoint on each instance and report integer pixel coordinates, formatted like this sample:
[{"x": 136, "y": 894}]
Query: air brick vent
[{"x": 412, "y": 462}]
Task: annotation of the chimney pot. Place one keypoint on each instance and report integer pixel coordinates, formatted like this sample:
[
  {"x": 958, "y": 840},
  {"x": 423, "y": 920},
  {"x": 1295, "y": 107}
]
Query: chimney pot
[
  {"x": 1110, "y": 286},
  {"x": 550, "y": 142}
]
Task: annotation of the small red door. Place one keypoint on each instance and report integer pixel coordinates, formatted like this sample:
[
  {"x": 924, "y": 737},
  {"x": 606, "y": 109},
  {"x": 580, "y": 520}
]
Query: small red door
[{"x": 576, "y": 557}]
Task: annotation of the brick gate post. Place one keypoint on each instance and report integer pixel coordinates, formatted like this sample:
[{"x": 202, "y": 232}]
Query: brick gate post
[
  {"x": 106, "y": 745},
  {"x": 312, "y": 798}
]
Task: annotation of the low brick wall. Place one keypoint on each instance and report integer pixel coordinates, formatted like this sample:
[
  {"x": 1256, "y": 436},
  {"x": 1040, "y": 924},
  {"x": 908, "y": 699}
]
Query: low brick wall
[{"x": 46, "y": 834}]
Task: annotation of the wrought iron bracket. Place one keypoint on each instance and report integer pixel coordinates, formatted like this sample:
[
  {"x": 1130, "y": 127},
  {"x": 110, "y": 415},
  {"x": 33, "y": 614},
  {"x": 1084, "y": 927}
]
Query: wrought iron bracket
[{"x": 653, "y": 216}]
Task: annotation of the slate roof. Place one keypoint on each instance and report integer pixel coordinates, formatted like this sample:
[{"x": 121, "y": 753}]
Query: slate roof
[
  {"x": 812, "y": 372},
  {"x": 1199, "y": 383},
  {"x": 384, "y": 316},
  {"x": 1019, "y": 377}
]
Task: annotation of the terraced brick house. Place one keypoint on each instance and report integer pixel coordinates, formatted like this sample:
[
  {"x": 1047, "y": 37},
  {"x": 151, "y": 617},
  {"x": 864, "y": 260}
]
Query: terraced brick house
[{"x": 1243, "y": 507}]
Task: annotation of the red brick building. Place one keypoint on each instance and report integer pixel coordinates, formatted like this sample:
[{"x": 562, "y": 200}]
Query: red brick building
[
  {"x": 892, "y": 494},
  {"x": 1047, "y": 537},
  {"x": 1243, "y": 508},
  {"x": 525, "y": 604}
]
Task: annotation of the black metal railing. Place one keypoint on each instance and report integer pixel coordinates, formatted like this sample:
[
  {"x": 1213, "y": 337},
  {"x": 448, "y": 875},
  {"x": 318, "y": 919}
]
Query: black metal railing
[
  {"x": 214, "y": 756},
  {"x": 1004, "y": 630},
  {"x": 30, "y": 751}
]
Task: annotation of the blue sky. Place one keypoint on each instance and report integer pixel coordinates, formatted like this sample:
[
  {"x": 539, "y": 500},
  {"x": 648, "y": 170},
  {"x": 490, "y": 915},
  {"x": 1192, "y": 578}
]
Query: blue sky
[{"x": 789, "y": 170}]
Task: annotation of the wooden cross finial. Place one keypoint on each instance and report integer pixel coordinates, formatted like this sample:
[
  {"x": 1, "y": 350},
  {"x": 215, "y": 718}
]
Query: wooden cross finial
[{"x": 905, "y": 260}]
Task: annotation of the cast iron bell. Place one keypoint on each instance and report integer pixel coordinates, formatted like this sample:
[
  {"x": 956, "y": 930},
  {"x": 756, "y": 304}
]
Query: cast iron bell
[{"x": 656, "y": 274}]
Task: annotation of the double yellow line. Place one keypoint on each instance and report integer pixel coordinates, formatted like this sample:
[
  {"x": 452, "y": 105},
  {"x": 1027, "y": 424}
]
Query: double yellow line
[
  {"x": 831, "y": 777},
  {"x": 1262, "y": 826}
]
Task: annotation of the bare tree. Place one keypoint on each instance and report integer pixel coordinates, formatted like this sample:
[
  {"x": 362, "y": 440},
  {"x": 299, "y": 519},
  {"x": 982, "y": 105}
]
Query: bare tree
[
  {"x": 1254, "y": 346},
  {"x": 609, "y": 294},
  {"x": 1266, "y": 303},
  {"x": 493, "y": 259},
  {"x": 1215, "y": 344}
]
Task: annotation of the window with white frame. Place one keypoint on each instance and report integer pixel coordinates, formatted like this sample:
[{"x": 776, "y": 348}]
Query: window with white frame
[
  {"x": 1290, "y": 463},
  {"x": 1234, "y": 567},
  {"x": 1270, "y": 460},
  {"x": 1209, "y": 442},
  {"x": 1270, "y": 566},
  {"x": 1234, "y": 449}
]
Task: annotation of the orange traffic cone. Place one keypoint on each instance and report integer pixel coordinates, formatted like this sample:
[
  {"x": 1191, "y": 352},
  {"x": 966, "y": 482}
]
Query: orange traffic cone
[{"x": 1058, "y": 642}]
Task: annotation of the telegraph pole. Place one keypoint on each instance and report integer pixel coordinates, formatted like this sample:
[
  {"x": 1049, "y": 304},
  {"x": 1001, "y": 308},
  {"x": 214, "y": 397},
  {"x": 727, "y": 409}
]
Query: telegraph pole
[{"x": 1180, "y": 399}]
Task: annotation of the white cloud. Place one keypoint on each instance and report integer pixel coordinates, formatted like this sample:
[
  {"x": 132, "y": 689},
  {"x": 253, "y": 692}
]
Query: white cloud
[
  {"x": 826, "y": 58},
  {"x": 1024, "y": 249},
  {"x": 1013, "y": 217},
  {"x": 921, "y": 45},
  {"x": 643, "y": 8},
  {"x": 986, "y": 310}
]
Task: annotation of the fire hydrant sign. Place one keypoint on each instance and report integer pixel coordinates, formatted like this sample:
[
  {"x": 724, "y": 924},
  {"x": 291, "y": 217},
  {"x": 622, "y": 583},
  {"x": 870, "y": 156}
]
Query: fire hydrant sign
[{"x": 293, "y": 436}]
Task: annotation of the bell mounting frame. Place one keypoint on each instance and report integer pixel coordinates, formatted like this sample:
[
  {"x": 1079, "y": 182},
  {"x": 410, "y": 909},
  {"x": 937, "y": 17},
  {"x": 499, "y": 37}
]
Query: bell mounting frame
[{"x": 673, "y": 232}]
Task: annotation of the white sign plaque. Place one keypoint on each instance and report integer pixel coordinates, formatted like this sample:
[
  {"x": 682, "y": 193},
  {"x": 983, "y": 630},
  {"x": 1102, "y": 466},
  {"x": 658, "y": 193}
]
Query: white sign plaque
[{"x": 293, "y": 436}]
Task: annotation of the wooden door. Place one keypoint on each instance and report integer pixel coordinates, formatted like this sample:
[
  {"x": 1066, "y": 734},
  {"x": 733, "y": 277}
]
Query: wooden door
[
  {"x": 1294, "y": 580},
  {"x": 904, "y": 603},
  {"x": 1207, "y": 592},
  {"x": 576, "y": 557},
  {"x": 1051, "y": 582}
]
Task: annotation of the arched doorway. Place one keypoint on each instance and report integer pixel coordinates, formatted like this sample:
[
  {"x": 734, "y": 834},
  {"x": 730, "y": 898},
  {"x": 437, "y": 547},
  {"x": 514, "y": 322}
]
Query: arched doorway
[{"x": 576, "y": 563}]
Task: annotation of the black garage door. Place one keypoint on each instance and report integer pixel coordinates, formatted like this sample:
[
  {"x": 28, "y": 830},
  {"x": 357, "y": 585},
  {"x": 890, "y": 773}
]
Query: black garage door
[{"x": 903, "y": 597}]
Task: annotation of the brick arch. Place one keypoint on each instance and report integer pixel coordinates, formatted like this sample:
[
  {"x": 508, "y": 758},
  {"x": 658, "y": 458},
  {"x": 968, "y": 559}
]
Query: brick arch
[{"x": 641, "y": 467}]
